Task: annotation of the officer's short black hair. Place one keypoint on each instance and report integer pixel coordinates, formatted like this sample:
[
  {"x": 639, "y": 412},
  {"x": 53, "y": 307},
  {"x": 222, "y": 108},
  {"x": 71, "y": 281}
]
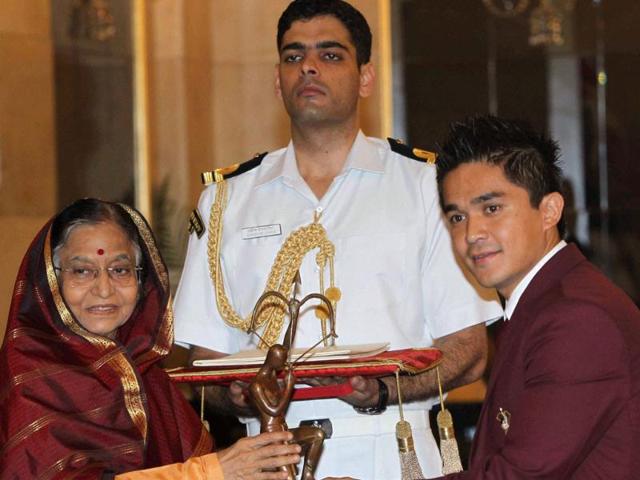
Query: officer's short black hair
[
  {"x": 528, "y": 159},
  {"x": 350, "y": 17}
]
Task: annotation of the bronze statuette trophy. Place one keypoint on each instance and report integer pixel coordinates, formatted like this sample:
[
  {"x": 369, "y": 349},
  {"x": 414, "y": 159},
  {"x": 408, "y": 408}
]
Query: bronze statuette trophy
[{"x": 271, "y": 396}]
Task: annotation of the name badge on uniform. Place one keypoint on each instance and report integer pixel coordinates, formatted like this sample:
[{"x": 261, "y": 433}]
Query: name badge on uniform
[{"x": 261, "y": 231}]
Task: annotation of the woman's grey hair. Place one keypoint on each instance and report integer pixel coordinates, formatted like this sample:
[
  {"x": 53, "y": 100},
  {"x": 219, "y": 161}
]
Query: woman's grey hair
[
  {"x": 90, "y": 211},
  {"x": 80, "y": 222}
]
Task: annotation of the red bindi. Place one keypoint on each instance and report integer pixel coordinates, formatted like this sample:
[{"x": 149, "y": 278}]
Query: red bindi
[{"x": 100, "y": 251}]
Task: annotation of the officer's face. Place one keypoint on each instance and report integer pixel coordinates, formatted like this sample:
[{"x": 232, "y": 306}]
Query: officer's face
[
  {"x": 318, "y": 77},
  {"x": 494, "y": 228}
]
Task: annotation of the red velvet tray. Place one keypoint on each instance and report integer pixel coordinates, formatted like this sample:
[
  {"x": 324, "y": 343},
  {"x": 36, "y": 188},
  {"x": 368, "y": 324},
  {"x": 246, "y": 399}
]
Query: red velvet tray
[{"x": 409, "y": 361}]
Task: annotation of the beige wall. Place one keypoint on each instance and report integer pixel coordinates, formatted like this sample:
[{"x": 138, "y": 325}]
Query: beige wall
[{"x": 27, "y": 148}]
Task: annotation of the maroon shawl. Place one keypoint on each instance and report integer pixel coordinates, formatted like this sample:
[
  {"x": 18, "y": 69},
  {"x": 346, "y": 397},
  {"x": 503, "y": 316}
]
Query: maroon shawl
[{"x": 78, "y": 405}]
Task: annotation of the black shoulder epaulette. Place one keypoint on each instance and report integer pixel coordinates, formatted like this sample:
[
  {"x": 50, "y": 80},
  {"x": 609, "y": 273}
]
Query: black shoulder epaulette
[
  {"x": 415, "y": 153},
  {"x": 224, "y": 173},
  {"x": 195, "y": 223}
]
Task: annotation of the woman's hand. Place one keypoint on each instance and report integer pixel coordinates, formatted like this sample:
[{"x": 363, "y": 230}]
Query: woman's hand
[{"x": 248, "y": 457}]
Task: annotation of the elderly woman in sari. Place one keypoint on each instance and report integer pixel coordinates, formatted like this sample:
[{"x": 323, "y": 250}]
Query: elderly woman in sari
[{"x": 82, "y": 394}]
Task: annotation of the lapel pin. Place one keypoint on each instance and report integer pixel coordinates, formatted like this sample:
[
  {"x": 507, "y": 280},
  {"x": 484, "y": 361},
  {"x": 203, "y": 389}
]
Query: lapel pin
[{"x": 504, "y": 418}]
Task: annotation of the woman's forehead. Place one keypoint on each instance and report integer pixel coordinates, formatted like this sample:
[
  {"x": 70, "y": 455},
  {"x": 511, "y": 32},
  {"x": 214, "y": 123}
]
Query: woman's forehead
[{"x": 106, "y": 239}]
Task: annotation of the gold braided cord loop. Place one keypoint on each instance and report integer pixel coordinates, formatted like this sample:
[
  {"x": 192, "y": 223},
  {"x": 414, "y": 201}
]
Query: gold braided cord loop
[{"x": 281, "y": 277}]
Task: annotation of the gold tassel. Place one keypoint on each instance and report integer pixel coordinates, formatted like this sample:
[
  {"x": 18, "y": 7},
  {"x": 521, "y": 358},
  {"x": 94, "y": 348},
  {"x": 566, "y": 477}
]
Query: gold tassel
[
  {"x": 409, "y": 464},
  {"x": 448, "y": 444}
]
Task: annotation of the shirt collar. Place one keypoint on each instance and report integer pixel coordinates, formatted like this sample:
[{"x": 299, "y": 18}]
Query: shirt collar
[
  {"x": 364, "y": 155},
  {"x": 512, "y": 301}
]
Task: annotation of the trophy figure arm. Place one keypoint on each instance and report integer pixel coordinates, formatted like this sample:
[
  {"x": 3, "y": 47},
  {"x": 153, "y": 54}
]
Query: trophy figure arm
[
  {"x": 287, "y": 392},
  {"x": 263, "y": 404}
]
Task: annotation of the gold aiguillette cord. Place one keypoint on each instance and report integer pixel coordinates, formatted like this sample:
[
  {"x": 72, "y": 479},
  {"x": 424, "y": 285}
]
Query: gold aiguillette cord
[{"x": 283, "y": 270}]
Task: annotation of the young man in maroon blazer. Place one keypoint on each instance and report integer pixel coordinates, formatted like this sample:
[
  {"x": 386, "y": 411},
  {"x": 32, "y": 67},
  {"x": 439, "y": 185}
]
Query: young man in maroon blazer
[{"x": 563, "y": 401}]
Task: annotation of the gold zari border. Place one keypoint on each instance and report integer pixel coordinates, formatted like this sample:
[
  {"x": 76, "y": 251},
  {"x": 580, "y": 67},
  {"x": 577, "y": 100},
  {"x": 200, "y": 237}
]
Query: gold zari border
[
  {"x": 84, "y": 455},
  {"x": 164, "y": 340},
  {"x": 45, "y": 420}
]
